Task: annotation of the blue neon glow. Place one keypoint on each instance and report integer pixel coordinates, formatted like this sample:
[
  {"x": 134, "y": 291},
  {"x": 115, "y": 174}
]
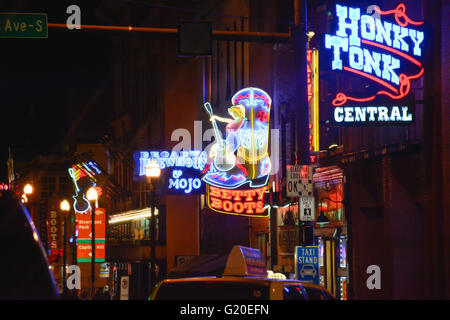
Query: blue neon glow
[
  {"x": 383, "y": 32},
  {"x": 372, "y": 62},
  {"x": 356, "y": 59},
  {"x": 417, "y": 38},
  {"x": 346, "y": 44},
  {"x": 368, "y": 27},
  {"x": 249, "y": 141},
  {"x": 353, "y": 14},
  {"x": 389, "y": 64},
  {"x": 399, "y": 34},
  {"x": 338, "y": 44},
  {"x": 177, "y": 182},
  {"x": 165, "y": 159}
]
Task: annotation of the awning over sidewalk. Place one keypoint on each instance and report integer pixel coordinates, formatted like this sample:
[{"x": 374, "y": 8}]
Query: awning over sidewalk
[{"x": 200, "y": 266}]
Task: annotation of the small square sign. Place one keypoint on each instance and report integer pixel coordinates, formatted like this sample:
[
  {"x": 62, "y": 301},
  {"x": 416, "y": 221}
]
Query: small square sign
[{"x": 307, "y": 208}]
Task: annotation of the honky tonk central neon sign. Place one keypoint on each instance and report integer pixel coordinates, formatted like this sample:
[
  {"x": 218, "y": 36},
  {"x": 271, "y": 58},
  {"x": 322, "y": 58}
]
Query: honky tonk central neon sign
[{"x": 384, "y": 52}]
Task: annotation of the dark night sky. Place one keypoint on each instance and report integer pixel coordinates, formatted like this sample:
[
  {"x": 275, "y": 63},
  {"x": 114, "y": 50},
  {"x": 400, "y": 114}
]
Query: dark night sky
[
  {"x": 38, "y": 77},
  {"x": 46, "y": 84}
]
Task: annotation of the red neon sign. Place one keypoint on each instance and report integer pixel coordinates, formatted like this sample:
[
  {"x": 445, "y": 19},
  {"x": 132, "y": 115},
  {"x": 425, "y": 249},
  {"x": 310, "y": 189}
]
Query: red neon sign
[
  {"x": 400, "y": 13},
  {"x": 308, "y": 74},
  {"x": 248, "y": 202}
]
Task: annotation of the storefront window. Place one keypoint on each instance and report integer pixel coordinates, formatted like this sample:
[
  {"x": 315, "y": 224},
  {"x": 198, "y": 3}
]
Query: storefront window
[
  {"x": 329, "y": 185},
  {"x": 134, "y": 230}
]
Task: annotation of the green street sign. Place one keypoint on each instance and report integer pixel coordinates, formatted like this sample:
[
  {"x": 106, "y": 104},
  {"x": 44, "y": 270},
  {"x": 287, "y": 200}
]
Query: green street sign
[{"x": 23, "y": 25}]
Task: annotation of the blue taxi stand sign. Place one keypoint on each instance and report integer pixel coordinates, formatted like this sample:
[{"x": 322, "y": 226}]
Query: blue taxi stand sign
[{"x": 307, "y": 264}]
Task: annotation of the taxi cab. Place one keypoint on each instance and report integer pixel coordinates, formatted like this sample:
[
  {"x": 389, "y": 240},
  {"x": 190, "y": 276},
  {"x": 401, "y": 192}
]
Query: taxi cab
[{"x": 244, "y": 278}]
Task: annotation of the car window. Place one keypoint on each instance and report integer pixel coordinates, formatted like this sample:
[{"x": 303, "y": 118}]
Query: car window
[
  {"x": 292, "y": 292},
  {"x": 212, "y": 290},
  {"x": 314, "y": 294}
]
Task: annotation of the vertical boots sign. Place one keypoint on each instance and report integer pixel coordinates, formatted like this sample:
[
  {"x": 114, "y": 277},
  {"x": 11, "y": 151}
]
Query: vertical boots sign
[{"x": 54, "y": 235}]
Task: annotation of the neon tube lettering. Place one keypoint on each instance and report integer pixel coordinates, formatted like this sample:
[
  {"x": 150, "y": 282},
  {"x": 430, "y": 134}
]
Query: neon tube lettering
[{"x": 354, "y": 16}]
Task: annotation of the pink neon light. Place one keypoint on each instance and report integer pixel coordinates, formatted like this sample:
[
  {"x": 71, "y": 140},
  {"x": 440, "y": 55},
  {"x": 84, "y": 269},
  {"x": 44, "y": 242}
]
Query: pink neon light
[
  {"x": 393, "y": 51},
  {"x": 405, "y": 87},
  {"x": 262, "y": 97},
  {"x": 384, "y": 83},
  {"x": 342, "y": 98},
  {"x": 400, "y": 13}
]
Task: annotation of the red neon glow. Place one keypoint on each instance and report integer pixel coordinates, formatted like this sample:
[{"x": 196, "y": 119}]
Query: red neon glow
[
  {"x": 373, "y": 78},
  {"x": 405, "y": 87},
  {"x": 238, "y": 98},
  {"x": 308, "y": 75},
  {"x": 404, "y": 55},
  {"x": 248, "y": 202},
  {"x": 400, "y": 13},
  {"x": 342, "y": 98},
  {"x": 264, "y": 98}
]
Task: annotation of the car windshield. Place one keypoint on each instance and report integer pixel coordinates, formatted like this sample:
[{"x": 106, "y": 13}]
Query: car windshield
[{"x": 212, "y": 290}]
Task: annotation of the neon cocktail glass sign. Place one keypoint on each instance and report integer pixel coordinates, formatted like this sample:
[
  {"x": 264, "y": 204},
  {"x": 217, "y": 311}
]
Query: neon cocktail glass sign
[{"x": 381, "y": 51}]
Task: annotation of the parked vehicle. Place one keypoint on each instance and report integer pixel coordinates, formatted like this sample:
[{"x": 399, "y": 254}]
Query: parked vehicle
[
  {"x": 244, "y": 278},
  {"x": 24, "y": 268}
]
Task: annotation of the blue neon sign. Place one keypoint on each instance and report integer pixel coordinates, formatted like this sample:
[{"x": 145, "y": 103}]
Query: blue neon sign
[
  {"x": 184, "y": 181},
  {"x": 188, "y": 159}
]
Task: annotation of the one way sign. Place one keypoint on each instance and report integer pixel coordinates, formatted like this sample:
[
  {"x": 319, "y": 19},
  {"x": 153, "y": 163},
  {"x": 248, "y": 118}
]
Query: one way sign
[{"x": 299, "y": 181}]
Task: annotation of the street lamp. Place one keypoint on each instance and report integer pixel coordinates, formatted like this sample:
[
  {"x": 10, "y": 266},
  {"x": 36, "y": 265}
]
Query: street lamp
[
  {"x": 65, "y": 207},
  {"x": 322, "y": 219},
  {"x": 92, "y": 196},
  {"x": 152, "y": 172},
  {"x": 28, "y": 189},
  {"x": 26, "y": 198}
]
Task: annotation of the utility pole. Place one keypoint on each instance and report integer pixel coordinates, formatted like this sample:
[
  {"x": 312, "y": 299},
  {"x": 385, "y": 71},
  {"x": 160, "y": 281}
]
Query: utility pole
[
  {"x": 299, "y": 43},
  {"x": 301, "y": 107}
]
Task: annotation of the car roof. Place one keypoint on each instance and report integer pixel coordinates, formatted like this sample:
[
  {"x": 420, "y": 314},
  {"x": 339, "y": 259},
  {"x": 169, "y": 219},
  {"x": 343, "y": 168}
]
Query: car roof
[{"x": 247, "y": 279}]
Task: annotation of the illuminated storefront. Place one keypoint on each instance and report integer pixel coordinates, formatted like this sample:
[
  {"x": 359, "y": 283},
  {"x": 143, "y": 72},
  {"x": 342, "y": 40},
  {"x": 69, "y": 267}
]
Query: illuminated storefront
[{"x": 332, "y": 236}]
